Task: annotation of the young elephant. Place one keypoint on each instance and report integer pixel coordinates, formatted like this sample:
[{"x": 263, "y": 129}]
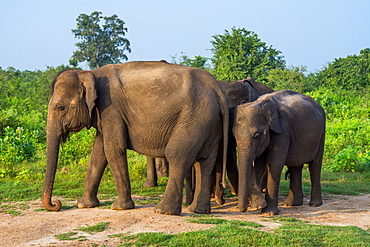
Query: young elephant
[{"x": 280, "y": 128}]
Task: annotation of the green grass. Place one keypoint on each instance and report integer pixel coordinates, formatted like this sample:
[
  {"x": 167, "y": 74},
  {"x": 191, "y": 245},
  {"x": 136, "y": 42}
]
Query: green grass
[
  {"x": 95, "y": 228},
  {"x": 291, "y": 232},
  {"x": 212, "y": 219},
  {"x": 88, "y": 229},
  {"x": 68, "y": 236},
  {"x": 13, "y": 208},
  {"x": 341, "y": 183}
]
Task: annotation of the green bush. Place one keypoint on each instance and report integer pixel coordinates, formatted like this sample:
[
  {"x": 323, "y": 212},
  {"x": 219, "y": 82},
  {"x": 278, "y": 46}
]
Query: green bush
[
  {"x": 350, "y": 159},
  {"x": 77, "y": 149},
  {"x": 343, "y": 104},
  {"x": 17, "y": 145},
  {"x": 347, "y": 141},
  {"x": 347, "y": 144}
]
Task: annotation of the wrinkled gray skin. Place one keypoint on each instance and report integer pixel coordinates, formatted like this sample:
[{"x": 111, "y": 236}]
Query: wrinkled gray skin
[
  {"x": 154, "y": 108},
  {"x": 281, "y": 128}
]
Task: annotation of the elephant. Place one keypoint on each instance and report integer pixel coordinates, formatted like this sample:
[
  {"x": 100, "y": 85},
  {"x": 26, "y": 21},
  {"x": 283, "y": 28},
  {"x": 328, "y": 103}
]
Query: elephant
[
  {"x": 154, "y": 108},
  {"x": 280, "y": 128},
  {"x": 236, "y": 93}
]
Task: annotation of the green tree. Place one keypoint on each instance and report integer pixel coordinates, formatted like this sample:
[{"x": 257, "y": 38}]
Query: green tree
[
  {"x": 351, "y": 72},
  {"x": 291, "y": 78},
  {"x": 102, "y": 40},
  {"x": 196, "y": 62},
  {"x": 240, "y": 53}
]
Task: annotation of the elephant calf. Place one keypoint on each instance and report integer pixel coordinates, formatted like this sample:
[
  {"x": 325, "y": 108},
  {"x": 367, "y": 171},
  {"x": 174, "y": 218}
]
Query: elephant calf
[{"x": 280, "y": 128}]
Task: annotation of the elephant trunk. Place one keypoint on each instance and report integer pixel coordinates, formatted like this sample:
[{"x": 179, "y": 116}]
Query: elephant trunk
[
  {"x": 52, "y": 150},
  {"x": 245, "y": 162}
]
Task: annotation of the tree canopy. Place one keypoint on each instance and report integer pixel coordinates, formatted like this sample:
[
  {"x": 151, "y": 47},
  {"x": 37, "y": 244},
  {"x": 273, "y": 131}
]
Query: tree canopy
[
  {"x": 196, "y": 62},
  {"x": 351, "y": 72},
  {"x": 292, "y": 78},
  {"x": 240, "y": 53},
  {"x": 102, "y": 40}
]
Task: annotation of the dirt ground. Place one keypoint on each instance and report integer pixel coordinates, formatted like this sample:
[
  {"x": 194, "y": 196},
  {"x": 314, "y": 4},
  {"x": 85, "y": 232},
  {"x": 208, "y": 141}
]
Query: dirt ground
[{"x": 38, "y": 228}]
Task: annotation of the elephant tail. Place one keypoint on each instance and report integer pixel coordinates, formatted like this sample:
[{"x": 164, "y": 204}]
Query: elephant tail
[{"x": 225, "y": 133}]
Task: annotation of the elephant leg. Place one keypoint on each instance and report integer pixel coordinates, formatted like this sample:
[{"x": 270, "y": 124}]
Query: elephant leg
[
  {"x": 161, "y": 165},
  {"x": 216, "y": 178},
  {"x": 295, "y": 197},
  {"x": 119, "y": 169},
  {"x": 189, "y": 185},
  {"x": 115, "y": 151},
  {"x": 203, "y": 170},
  {"x": 151, "y": 173},
  {"x": 256, "y": 198},
  {"x": 232, "y": 169},
  {"x": 315, "y": 175},
  {"x": 261, "y": 172},
  {"x": 272, "y": 191},
  {"x": 95, "y": 170},
  {"x": 172, "y": 199}
]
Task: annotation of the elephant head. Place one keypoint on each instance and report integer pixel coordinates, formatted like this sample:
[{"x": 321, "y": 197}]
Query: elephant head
[
  {"x": 242, "y": 91},
  {"x": 237, "y": 92},
  {"x": 253, "y": 124},
  {"x": 70, "y": 110}
]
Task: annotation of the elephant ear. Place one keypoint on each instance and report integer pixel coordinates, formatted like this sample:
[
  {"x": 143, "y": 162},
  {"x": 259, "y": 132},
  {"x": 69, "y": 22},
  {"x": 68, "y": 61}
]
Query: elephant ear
[
  {"x": 274, "y": 115},
  {"x": 251, "y": 92},
  {"x": 87, "y": 80}
]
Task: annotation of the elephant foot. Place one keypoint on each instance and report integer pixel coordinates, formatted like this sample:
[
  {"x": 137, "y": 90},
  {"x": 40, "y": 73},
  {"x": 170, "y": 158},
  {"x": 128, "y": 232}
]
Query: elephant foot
[
  {"x": 257, "y": 201},
  {"x": 85, "y": 202},
  {"x": 269, "y": 210},
  {"x": 198, "y": 209},
  {"x": 123, "y": 205},
  {"x": 290, "y": 202},
  {"x": 150, "y": 184},
  {"x": 219, "y": 194},
  {"x": 233, "y": 190},
  {"x": 315, "y": 202},
  {"x": 168, "y": 209},
  {"x": 254, "y": 206}
]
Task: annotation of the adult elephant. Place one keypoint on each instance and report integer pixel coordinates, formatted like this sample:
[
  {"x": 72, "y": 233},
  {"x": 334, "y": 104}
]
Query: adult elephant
[
  {"x": 281, "y": 128},
  {"x": 154, "y": 108},
  {"x": 236, "y": 93}
]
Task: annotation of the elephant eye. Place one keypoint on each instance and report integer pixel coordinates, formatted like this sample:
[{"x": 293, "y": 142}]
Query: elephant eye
[
  {"x": 256, "y": 135},
  {"x": 61, "y": 107}
]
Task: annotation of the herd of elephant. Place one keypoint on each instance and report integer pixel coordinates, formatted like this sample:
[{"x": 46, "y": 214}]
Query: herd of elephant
[{"x": 200, "y": 127}]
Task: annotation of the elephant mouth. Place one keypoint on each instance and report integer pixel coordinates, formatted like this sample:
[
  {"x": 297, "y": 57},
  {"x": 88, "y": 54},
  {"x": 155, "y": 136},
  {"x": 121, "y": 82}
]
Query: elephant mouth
[
  {"x": 75, "y": 129},
  {"x": 63, "y": 135}
]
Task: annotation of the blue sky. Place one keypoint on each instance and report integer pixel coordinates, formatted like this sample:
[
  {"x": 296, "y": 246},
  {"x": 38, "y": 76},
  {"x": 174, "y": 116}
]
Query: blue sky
[{"x": 35, "y": 34}]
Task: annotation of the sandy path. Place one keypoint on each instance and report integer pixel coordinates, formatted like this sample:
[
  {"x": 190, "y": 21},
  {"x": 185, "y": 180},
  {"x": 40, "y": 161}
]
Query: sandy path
[{"x": 37, "y": 228}]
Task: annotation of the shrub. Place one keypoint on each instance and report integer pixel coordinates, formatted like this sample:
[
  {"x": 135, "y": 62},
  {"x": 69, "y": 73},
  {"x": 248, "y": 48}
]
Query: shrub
[
  {"x": 17, "y": 145},
  {"x": 77, "y": 149},
  {"x": 350, "y": 159}
]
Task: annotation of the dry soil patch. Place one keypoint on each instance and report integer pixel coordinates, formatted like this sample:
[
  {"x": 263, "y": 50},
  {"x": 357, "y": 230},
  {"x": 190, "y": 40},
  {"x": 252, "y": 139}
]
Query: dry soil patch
[{"x": 38, "y": 228}]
